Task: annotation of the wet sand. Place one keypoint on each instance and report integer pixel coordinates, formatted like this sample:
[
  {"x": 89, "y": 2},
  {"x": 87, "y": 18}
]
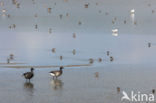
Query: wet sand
[
  {"x": 50, "y": 66},
  {"x": 11, "y": 63}
]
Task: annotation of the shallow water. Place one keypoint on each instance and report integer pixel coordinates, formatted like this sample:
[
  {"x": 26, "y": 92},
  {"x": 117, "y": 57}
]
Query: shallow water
[{"x": 76, "y": 84}]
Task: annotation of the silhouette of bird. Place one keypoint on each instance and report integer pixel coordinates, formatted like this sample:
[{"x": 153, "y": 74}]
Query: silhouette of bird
[
  {"x": 53, "y": 50},
  {"x": 153, "y": 91},
  {"x": 100, "y": 60},
  {"x": 61, "y": 57},
  {"x": 111, "y": 58},
  {"x": 56, "y": 73},
  {"x": 118, "y": 89},
  {"x": 29, "y": 75},
  {"x": 91, "y": 61},
  {"x": 74, "y": 51},
  {"x": 108, "y": 53},
  {"x": 149, "y": 44}
]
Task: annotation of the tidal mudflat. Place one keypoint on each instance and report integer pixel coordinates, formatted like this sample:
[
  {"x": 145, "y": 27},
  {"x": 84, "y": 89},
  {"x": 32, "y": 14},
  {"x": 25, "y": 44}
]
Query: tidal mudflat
[{"x": 107, "y": 49}]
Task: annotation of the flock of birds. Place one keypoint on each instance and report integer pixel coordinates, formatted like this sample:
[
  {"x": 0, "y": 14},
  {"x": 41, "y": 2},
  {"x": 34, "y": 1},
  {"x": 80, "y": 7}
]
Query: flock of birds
[
  {"x": 30, "y": 75},
  {"x": 18, "y": 5},
  {"x": 55, "y": 74}
]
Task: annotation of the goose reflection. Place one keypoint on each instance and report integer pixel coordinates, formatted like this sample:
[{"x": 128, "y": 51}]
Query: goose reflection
[
  {"x": 56, "y": 84},
  {"x": 29, "y": 87}
]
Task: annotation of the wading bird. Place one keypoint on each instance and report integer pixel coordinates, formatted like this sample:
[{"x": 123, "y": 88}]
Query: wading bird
[
  {"x": 29, "y": 75},
  {"x": 56, "y": 73}
]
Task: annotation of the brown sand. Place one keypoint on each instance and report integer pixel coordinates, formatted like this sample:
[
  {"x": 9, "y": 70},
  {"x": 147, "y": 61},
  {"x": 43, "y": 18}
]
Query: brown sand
[
  {"x": 46, "y": 66},
  {"x": 11, "y": 63}
]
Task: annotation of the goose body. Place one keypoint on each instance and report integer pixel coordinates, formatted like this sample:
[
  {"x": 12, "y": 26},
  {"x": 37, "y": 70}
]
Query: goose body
[
  {"x": 29, "y": 75},
  {"x": 56, "y": 73}
]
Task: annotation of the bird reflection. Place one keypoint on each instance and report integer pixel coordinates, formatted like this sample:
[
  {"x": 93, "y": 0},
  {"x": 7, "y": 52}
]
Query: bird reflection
[
  {"x": 56, "y": 84},
  {"x": 29, "y": 87},
  {"x": 133, "y": 18},
  {"x": 96, "y": 74}
]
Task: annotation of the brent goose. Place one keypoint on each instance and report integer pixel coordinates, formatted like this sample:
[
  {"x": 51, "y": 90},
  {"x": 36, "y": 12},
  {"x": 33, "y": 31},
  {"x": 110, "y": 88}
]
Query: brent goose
[
  {"x": 56, "y": 73},
  {"x": 29, "y": 75}
]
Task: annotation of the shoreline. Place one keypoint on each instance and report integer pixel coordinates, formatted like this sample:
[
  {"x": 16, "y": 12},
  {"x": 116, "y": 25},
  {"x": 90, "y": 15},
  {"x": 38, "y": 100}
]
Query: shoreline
[{"x": 46, "y": 66}]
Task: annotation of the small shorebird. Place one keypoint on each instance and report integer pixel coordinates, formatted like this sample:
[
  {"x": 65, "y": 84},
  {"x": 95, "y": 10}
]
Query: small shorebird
[
  {"x": 111, "y": 58},
  {"x": 56, "y": 73},
  {"x": 96, "y": 74},
  {"x": 61, "y": 57},
  {"x": 100, "y": 60},
  {"x": 91, "y": 61},
  {"x": 29, "y": 75},
  {"x": 74, "y": 51},
  {"x": 53, "y": 50},
  {"x": 118, "y": 89},
  {"x": 149, "y": 44},
  {"x": 153, "y": 91}
]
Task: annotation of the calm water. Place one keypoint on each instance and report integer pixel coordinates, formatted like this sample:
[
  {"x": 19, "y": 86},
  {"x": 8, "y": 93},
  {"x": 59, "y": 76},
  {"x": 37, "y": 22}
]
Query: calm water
[
  {"x": 76, "y": 84},
  {"x": 133, "y": 67}
]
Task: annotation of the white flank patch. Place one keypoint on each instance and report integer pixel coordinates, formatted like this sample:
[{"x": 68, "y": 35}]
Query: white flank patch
[{"x": 52, "y": 74}]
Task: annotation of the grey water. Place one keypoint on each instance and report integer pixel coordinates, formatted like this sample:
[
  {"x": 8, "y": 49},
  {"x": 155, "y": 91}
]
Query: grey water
[{"x": 133, "y": 67}]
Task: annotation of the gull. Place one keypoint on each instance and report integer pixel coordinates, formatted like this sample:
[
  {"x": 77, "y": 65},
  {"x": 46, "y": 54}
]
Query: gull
[{"x": 132, "y": 11}]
